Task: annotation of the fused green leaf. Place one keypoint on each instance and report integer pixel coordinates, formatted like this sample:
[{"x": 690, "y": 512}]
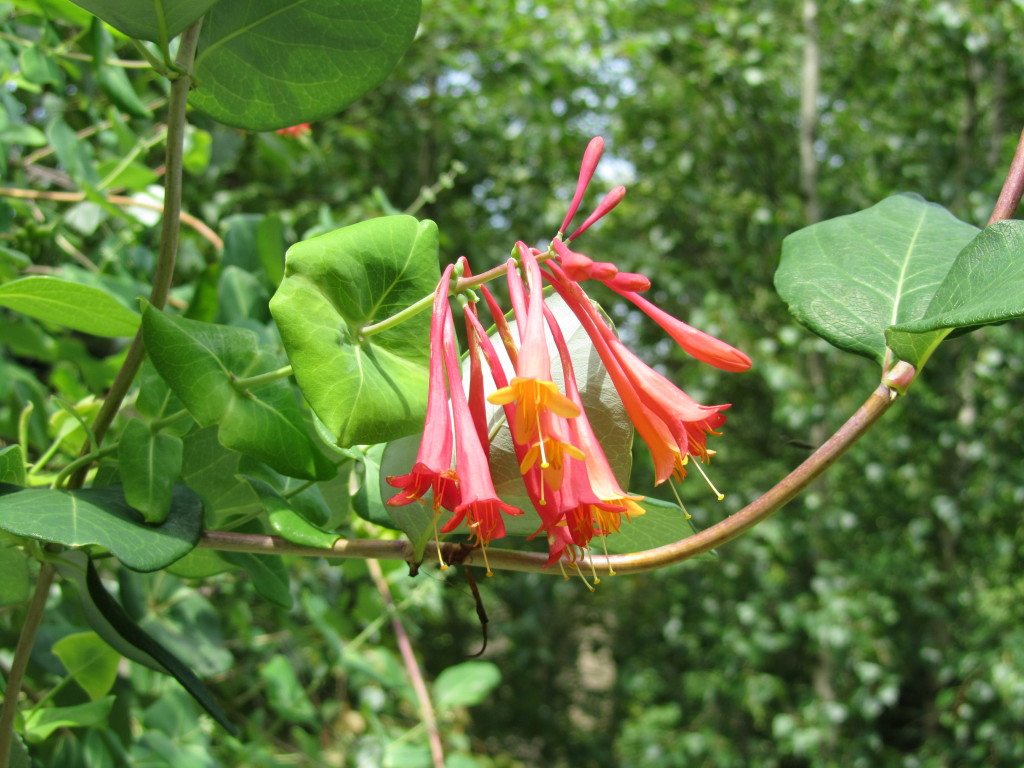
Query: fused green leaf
[
  {"x": 850, "y": 278},
  {"x": 264, "y": 64},
  {"x": 365, "y": 388}
]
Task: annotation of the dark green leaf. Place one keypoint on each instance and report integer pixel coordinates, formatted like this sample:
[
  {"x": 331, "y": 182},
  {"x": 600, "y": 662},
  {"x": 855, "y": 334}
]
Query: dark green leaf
[
  {"x": 199, "y": 360},
  {"x": 113, "y": 623},
  {"x": 984, "y": 285},
  {"x": 156, "y": 20},
  {"x": 265, "y": 64},
  {"x": 101, "y": 516},
  {"x": 365, "y": 389},
  {"x": 850, "y": 278},
  {"x": 80, "y": 307},
  {"x": 268, "y": 575},
  {"x": 150, "y": 464}
]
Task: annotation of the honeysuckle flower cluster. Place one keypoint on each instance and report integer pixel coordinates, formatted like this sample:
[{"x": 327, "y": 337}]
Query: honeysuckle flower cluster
[{"x": 567, "y": 476}]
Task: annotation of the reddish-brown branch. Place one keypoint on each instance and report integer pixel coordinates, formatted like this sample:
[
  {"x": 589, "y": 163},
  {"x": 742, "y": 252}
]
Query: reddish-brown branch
[{"x": 1013, "y": 187}]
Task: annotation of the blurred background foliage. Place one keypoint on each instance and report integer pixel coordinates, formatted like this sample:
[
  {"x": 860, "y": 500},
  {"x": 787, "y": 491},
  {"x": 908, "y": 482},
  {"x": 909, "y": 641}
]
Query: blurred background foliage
[{"x": 875, "y": 621}]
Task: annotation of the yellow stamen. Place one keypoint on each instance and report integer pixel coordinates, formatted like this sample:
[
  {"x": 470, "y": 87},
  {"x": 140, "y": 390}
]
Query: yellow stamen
[
  {"x": 681, "y": 505},
  {"x": 711, "y": 485}
]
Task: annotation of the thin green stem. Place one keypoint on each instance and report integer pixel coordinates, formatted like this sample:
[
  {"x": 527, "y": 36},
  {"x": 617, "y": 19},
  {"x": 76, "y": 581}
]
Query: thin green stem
[
  {"x": 242, "y": 384},
  {"x": 19, "y": 664},
  {"x": 166, "y": 421},
  {"x": 460, "y": 285},
  {"x": 637, "y": 562},
  {"x": 80, "y": 463},
  {"x": 171, "y": 226}
]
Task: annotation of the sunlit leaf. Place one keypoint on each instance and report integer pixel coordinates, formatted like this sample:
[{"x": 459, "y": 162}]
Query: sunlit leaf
[
  {"x": 155, "y": 20},
  {"x": 465, "y": 684},
  {"x": 90, "y": 661},
  {"x": 365, "y": 388},
  {"x": 850, "y": 278},
  {"x": 79, "y": 307}
]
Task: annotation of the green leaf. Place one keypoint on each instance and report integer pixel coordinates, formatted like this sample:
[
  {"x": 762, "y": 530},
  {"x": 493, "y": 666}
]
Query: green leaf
[
  {"x": 465, "y": 684},
  {"x": 365, "y": 389},
  {"x": 267, "y": 572},
  {"x": 79, "y": 307},
  {"x": 14, "y": 577},
  {"x": 850, "y": 278},
  {"x": 150, "y": 464},
  {"x": 110, "y": 620},
  {"x": 199, "y": 362},
  {"x": 155, "y": 20},
  {"x": 288, "y": 523},
  {"x": 287, "y": 697},
  {"x": 90, "y": 661},
  {"x": 101, "y": 516},
  {"x": 662, "y": 523},
  {"x": 39, "y": 67},
  {"x": 984, "y": 285},
  {"x": 12, "y": 465},
  {"x": 264, "y": 64},
  {"x": 40, "y": 722}
]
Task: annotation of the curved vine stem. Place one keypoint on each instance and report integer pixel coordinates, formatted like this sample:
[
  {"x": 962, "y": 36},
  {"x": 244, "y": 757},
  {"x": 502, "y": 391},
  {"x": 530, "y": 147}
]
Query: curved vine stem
[
  {"x": 1013, "y": 187},
  {"x": 637, "y": 562}
]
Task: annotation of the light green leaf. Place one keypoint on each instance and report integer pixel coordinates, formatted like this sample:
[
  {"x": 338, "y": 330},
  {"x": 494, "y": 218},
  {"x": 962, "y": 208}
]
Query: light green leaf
[
  {"x": 365, "y": 389},
  {"x": 150, "y": 464},
  {"x": 101, "y": 516},
  {"x": 12, "y": 465},
  {"x": 984, "y": 285},
  {"x": 287, "y": 697},
  {"x": 40, "y": 722},
  {"x": 90, "y": 661},
  {"x": 266, "y": 64},
  {"x": 199, "y": 361},
  {"x": 14, "y": 578},
  {"x": 155, "y": 20},
  {"x": 850, "y": 278},
  {"x": 465, "y": 684},
  {"x": 288, "y": 523},
  {"x": 80, "y": 307}
]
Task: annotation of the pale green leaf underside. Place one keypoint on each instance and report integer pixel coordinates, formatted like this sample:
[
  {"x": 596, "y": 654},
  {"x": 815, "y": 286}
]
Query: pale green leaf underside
[
  {"x": 267, "y": 64},
  {"x": 850, "y": 278}
]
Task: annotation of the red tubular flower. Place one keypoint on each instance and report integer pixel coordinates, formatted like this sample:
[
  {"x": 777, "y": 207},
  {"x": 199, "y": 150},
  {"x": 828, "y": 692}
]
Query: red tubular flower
[
  {"x": 612, "y": 199},
  {"x": 295, "y": 131},
  {"x": 591, "y": 157},
  {"x": 433, "y": 468},
  {"x": 478, "y": 499},
  {"x": 700, "y": 345}
]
